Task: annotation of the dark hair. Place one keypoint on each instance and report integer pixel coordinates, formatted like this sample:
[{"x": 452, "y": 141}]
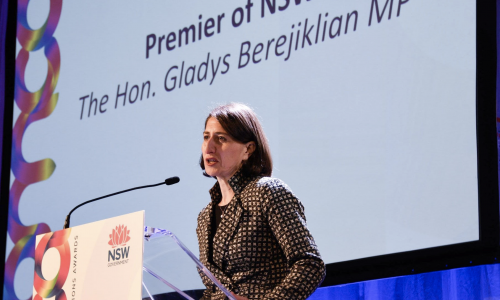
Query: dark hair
[{"x": 241, "y": 123}]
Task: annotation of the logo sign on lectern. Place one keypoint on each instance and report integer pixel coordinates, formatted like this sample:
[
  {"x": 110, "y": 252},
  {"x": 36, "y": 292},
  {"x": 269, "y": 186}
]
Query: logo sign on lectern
[{"x": 100, "y": 260}]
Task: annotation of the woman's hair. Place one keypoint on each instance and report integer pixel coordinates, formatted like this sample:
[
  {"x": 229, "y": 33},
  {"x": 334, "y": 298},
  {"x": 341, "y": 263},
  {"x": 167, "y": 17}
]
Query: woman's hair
[{"x": 241, "y": 123}]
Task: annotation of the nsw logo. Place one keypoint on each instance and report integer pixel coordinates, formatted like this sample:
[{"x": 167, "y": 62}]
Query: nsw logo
[{"x": 118, "y": 239}]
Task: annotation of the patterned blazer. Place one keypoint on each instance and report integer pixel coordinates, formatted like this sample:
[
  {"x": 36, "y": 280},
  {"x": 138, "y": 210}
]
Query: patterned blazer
[{"x": 262, "y": 248}]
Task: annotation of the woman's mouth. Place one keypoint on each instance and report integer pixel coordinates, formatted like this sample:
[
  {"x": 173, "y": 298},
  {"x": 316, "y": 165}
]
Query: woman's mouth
[{"x": 211, "y": 161}]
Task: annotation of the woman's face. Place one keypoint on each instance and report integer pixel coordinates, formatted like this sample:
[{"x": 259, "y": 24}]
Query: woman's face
[{"x": 222, "y": 155}]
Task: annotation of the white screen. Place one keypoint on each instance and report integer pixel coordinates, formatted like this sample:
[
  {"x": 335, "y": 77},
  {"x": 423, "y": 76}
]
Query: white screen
[{"x": 374, "y": 129}]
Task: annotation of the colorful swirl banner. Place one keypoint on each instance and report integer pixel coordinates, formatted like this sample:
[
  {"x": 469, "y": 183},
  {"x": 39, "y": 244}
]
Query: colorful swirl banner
[
  {"x": 48, "y": 288},
  {"x": 34, "y": 106}
]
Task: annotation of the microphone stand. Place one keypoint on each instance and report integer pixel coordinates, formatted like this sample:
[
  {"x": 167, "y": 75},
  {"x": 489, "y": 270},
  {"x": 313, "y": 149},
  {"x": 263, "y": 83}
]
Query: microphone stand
[{"x": 169, "y": 181}]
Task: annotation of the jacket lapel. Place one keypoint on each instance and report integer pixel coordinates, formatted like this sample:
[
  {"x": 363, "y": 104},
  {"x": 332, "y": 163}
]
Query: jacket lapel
[
  {"x": 230, "y": 219},
  {"x": 205, "y": 232},
  {"x": 228, "y": 224}
]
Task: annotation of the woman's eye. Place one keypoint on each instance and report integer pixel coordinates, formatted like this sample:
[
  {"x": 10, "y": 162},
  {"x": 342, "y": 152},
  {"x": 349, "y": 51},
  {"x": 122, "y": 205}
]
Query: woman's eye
[
  {"x": 205, "y": 137},
  {"x": 222, "y": 139}
]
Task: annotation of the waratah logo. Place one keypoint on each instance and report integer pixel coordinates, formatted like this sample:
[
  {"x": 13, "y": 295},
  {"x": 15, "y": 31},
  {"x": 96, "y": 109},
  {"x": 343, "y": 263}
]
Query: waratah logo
[{"x": 119, "y": 236}]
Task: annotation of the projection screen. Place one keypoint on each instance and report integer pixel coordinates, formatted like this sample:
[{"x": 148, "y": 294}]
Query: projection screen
[{"x": 368, "y": 106}]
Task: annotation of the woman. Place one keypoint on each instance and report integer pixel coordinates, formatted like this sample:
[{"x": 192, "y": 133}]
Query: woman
[{"x": 252, "y": 235}]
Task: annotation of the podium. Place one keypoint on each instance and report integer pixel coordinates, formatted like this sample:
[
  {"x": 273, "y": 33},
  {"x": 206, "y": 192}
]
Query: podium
[
  {"x": 117, "y": 258},
  {"x": 171, "y": 269}
]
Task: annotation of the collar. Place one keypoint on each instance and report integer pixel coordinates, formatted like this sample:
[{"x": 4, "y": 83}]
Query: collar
[{"x": 237, "y": 182}]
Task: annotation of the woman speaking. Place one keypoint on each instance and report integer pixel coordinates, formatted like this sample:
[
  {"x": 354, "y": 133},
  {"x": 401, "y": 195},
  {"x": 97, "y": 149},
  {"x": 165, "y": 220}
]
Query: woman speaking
[{"x": 252, "y": 235}]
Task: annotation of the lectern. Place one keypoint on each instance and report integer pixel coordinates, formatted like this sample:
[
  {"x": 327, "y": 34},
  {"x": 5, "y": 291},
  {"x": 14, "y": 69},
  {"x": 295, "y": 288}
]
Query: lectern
[{"x": 117, "y": 258}]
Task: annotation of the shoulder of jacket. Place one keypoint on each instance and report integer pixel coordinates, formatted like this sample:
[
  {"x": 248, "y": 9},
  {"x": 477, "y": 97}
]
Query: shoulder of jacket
[
  {"x": 264, "y": 185},
  {"x": 261, "y": 190},
  {"x": 271, "y": 185},
  {"x": 204, "y": 211}
]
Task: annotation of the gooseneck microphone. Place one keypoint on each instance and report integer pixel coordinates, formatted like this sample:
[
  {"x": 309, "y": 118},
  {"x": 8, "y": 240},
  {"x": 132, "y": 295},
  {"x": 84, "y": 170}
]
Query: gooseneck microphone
[{"x": 168, "y": 181}]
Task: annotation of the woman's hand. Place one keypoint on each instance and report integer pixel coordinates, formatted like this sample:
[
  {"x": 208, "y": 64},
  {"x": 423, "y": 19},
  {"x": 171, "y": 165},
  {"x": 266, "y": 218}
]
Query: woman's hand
[{"x": 239, "y": 297}]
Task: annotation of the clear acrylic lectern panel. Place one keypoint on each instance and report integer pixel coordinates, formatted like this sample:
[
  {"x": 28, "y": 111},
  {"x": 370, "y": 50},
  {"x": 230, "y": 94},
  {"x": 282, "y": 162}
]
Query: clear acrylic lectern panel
[{"x": 170, "y": 270}]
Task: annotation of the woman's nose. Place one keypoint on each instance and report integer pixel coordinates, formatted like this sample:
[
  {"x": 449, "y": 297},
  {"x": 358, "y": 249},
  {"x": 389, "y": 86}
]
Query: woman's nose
[{"x": 210, "y": 145}]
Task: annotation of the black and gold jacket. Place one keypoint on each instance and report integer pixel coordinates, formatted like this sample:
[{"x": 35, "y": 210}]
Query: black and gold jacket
[{"x": 262, "y": 248}]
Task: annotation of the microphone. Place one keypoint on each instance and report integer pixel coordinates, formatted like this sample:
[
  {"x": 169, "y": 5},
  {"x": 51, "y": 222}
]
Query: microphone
[
  {"x": 168, "y": 181},
  {"x": 171, "y": 180}
]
